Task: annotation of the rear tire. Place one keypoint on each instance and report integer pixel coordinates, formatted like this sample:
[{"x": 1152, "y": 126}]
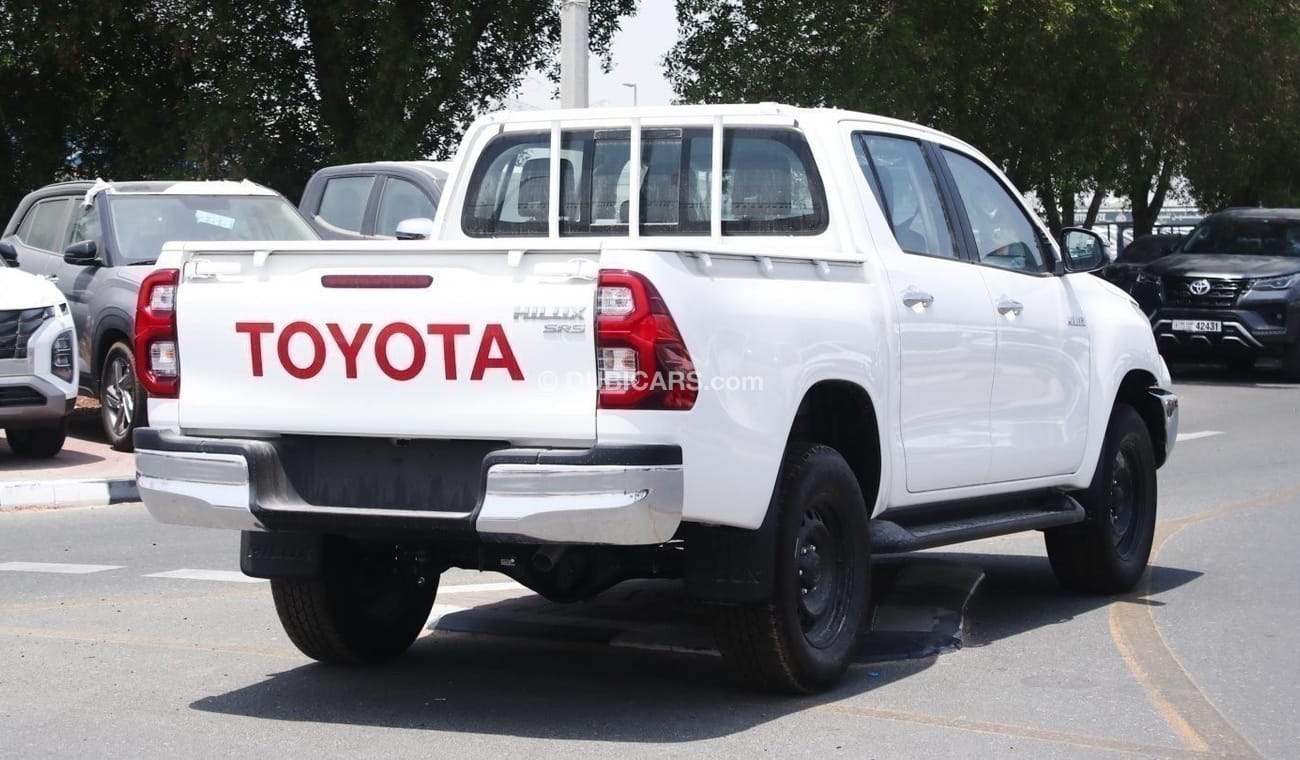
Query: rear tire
[
  {"x": 37, "y": 442},
  {"x": 1108, "y": 552},
  {"x": 802, "y": 638},
  {"x": 364, "y": 610},
  {"x": 122, "y": 400}
]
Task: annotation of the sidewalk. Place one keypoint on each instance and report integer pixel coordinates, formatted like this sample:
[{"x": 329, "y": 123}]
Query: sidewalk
[{"x": 86, "y": 473}]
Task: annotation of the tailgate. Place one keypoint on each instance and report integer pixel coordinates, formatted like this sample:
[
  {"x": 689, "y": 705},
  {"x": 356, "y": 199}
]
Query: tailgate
[{"x": 428, "y": 343}]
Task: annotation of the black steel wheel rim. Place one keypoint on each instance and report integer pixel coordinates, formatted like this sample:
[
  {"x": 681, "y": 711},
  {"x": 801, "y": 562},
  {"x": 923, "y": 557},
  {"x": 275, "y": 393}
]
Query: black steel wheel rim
[
  {"x": 1123, "y": 501},
  {"x": 823, "y": 570}
]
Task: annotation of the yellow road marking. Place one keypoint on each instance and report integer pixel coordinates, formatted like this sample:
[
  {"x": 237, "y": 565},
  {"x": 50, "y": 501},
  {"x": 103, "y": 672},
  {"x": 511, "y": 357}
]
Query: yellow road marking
[
  {"x": 1084, "y": 741},
  {"x": 1169, "y": 686}
]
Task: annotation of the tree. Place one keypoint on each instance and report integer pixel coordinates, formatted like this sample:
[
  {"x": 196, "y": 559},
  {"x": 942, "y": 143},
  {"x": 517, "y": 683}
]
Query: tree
[
  {"x": 264, "y": 90},
  {"x": 1069, "y": 96}
]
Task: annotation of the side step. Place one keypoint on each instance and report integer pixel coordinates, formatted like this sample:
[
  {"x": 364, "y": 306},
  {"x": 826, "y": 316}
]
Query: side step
[{"x": 955, "y": 522}]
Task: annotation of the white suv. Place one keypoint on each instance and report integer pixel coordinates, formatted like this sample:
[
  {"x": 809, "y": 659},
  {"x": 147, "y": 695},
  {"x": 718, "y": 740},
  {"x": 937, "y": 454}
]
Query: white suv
[{"x": 38, "y": 363}]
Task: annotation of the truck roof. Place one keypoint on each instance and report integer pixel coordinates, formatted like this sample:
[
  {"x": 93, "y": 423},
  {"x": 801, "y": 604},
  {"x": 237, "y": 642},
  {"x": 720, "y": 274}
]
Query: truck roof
[{"x": 741, "y": 111}]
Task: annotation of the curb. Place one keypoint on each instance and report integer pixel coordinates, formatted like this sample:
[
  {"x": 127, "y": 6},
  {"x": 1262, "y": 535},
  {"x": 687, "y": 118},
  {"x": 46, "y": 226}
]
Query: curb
[{"x": 90, "y": 492}]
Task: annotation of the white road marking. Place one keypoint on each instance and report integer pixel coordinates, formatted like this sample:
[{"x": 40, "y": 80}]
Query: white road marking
[
  {"x": 1202, "y": 434},
  {"x": 55, "y": 567},
  {"x": 469, "y": 588},
  {"x": 189, "y": 574}
]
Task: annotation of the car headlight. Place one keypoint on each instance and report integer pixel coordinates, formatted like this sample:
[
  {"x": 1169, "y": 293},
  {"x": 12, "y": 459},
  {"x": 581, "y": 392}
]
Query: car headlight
[
  {"x": 1275, "y": 283},
  {"x": 61, "y": 357},
  {"x": 1148, "y": 278}
]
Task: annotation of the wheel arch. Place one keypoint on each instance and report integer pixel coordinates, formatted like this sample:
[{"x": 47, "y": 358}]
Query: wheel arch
[
  {"x": 1135, "y": 390},
  {"x": 842, "y": 415},
  {"x": 112, "y": 328}
]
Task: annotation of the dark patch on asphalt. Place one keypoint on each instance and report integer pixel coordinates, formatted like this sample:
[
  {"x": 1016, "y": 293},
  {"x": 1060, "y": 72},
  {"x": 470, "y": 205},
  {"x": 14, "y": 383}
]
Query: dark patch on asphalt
[{"x": 918, "y": 611}]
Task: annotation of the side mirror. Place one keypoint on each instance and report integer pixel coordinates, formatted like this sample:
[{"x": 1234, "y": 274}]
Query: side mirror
[
  {"x": 8, "y": 254},
  {"x": 419, "y": 228},
  {"x": 83, "y": 253},
  {"x": 1083, "y": 250}
]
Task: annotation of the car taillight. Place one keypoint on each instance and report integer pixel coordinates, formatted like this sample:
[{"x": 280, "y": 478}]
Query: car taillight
[
  {"x": 156, "y": 360},
  {"x": 641, "y": 359}
]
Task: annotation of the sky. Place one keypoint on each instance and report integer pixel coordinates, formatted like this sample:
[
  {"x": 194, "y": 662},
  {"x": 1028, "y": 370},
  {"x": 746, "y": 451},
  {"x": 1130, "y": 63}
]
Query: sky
[{"x": 638, "y": 50}]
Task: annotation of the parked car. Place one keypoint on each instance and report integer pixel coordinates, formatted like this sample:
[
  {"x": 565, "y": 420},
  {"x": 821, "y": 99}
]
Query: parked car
[
  {"x": 841, "y": 335},
  {"x": 97, "y": 240},
  {"x": 1231, "y": 292},
  {"x": 1124, "y": 270},
  {"x": 369, "y": 201},
  {"x": 38, "y": 361}
]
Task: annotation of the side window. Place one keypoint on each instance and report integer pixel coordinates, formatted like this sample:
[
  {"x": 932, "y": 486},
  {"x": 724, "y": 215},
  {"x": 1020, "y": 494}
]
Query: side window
[
  {"x": 401, "y": 200},
  {"x": 86, "y": 226},
  {"x": 343, "y": 204},
  {"x": 770, "y": 184},
  {"x": 1004, "y": 236},
  {"x": 908, "y": 195},
  {"x": 43, "y": 226}
]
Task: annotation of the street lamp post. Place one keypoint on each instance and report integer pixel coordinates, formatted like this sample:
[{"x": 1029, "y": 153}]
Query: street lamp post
[{"x": 633, "y": 86}]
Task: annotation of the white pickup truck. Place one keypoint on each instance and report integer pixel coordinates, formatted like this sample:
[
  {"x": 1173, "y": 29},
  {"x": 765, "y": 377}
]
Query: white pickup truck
[{"x": 810, "y": 336}]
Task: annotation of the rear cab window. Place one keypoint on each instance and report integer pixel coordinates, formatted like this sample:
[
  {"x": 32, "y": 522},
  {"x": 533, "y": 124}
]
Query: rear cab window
[{"x": 770, "y": 184}]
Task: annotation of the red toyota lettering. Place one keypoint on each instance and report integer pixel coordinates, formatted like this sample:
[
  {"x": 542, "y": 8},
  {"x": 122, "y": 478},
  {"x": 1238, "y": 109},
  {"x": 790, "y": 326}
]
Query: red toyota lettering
[
  {"x": 317, "y": 347},
  {"x": 255, "y": 331},
  {"x": 417, "y": 345},
  {"x": 449, "y": 333},
  {"x": 350, "y": 348},
  {"x": 495, "y": 335}
]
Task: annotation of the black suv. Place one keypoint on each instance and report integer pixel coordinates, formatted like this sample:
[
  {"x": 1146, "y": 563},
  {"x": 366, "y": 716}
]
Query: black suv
[{"x": 1231, "y": 291}]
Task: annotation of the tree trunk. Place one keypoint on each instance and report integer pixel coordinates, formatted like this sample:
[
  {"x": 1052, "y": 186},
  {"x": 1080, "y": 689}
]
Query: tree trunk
[{"x": 1094, "y": 207}]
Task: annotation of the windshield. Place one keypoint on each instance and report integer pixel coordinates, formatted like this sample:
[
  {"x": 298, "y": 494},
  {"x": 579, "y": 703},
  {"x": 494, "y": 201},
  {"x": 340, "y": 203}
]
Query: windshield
[
  {"x": 142, "y": 223},
  {"x": 1271, "y": 237}
]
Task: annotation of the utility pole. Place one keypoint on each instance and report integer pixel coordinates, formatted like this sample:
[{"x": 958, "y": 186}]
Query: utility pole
[
  {"x": 633, "y": 86},
  {"x": 573, "y": 53}
]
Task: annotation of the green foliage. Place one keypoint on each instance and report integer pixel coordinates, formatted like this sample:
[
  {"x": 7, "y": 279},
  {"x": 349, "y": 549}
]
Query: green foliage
[
  {"x": 268, "y": 90},
  {"x": 1068, "y": 96}
]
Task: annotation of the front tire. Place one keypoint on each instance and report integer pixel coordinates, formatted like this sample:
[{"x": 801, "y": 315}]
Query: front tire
[
  {"x": 1108, "y": 552},
  {"x": 37, "y": 442},
  {"x": 364, "y": 610},
  {"x": 802, "y": 638},
  {"x": 121, "y": 397}
]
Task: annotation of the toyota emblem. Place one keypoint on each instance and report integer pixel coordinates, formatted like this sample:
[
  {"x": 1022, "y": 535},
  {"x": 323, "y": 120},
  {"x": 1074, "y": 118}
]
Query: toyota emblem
[{"x": 1198, "y": 287}]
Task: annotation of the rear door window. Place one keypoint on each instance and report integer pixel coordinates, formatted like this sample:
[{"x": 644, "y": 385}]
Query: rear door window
[
  {"x": 343, "y": 203},
  {"x": 44, "y": 225},
  {"x": 908, "y": 192},
  {"x": 770, "y": 184}
]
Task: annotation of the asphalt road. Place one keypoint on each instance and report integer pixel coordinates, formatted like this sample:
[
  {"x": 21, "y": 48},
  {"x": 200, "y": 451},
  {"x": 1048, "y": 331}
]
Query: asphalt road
[{"x": 123, "y": 638}]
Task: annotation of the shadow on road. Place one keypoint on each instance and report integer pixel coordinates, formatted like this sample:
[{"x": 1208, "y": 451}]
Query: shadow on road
[
  {"x": 1020, "y": 594},
  {"x": 532, "y": 688},
  {"x": 523, "y": 688},
  {"x": 83, "y": 425}
]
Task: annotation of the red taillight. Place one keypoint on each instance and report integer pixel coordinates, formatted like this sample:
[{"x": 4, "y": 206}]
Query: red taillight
[
  {"x": 641, "y": 359},
  {"x": 157, "y": 362}
]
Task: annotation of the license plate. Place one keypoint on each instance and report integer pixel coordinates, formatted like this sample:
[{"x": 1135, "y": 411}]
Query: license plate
[{"x": 1198, "y": 325}]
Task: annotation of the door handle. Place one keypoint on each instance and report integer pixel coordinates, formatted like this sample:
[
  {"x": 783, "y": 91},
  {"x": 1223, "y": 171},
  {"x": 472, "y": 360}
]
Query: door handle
[
  {"x": 913, "y": 298},
  {"x": 1008, "y": 306},
  {"x": 51, "y": 277}
]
